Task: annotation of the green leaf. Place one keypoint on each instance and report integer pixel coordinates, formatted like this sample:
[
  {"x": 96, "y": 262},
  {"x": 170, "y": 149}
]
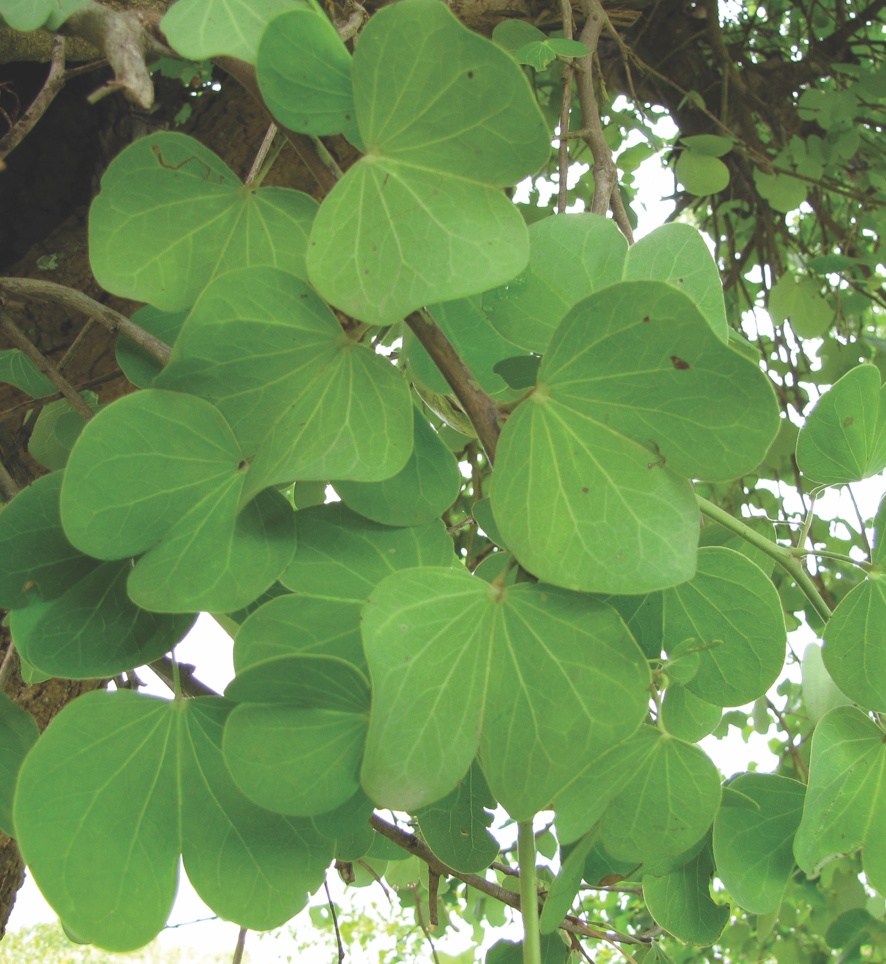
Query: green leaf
[
  {"x": 820, "y": 692},
  {"x": 801, "y": 303},
  {"x": 298, "y": 624},
  {"x": 57, "y": 428},
  {"x": 342, "y": 556},
  {"x": 162, "y": 472},
  {"x": 171, "y": 216},
  {"x": 28, "y": 15},
  {"x": 783, "y": 192},
  {"x": 853, "y": 650},
  {"x": 304, "y": 73},
  {"x": 844, "y": 438},
  {"x": 71, "y": 614},
  {"x": 711, "y": 145},
  {"x": 677, "y": 253},
  {"x": 456, "y": 827},
  {"x": 570, "y": 257},
  {"x": 17, "y": 369},
  {"x": 200, "y": 29},
  {"x": 540, "y": 53},
  {"x": 118, "y": 775},
  {"x": 271, "y": 356},
  {"x": 427, "y": 191},
  {"x": 687, "y": 716},
  {"x": 136, "y": 363},
  {"x": 420, "y": 492},
  {"x": 845, "y": 806},
  {"x": 636, "y": 396},
  {"x": 666, "y": 804},
  {"x": 731, "y": 614},
  {"x": 510, "y": 35},
  {"x": 681, "y": 902},
  {"x": 303, "y": 679},
  {"x": 281, "y": 756},
  {"x": 753, "y": 845},
  {"x": 701, "y": 174},
  {"x": 437, "y": 638},
  {"x": 562, "y": 892},
  {"x": 18, "y": 733}
]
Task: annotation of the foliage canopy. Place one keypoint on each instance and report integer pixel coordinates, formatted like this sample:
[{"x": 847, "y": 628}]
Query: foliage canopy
[{"x": 577, "y": 480}]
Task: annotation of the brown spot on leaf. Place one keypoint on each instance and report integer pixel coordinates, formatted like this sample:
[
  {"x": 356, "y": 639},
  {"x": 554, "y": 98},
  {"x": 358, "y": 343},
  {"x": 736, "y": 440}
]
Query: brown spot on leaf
[
  {"x": 585, "y": 489},
  {"x": 646, "y": 320},
  {"x": 470, "y": 75},
  {"x": 678, "y": 363},
  {"x": 849, "y": 420}
]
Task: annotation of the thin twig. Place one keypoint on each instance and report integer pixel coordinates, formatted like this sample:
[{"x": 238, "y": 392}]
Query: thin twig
[
  {"x": 241, "y": 944},
  {"x": 190, "y": 685},
  {"x": 46, "y": 367},
  {"x": 338, "y": 941},
  {"x": 8, "y": 665},
  {"x": 8, "y": 488},
  {"x": 325, "y": 173},
  {"x": 55, "y": 80},
  {"x": 421, "y": 922},
  {"x": 565, "y": 107},
  {"x": 261, "y": 154},
  {"x": 477, "y": 405},
  {"x": 71, "y": 298}
]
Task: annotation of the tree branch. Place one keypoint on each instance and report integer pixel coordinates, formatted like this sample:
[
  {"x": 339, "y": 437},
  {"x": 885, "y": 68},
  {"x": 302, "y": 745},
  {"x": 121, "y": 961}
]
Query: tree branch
[
  {"x": 46, "y": 367},
  {"x": 477, "y": 405},
  {"x": 77, "y": 301},
  {"x": 55, "y": 80}
]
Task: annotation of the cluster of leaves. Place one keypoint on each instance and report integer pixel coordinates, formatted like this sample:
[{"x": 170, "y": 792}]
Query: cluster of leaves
[{"x": 554, "y": 633}]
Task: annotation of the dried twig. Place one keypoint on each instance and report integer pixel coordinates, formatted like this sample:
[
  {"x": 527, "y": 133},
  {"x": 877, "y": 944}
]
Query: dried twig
[
  {"x": 46, "y": 367},
  {"x": 55, "y": 80},
  {"x": 77, "y": 301}
]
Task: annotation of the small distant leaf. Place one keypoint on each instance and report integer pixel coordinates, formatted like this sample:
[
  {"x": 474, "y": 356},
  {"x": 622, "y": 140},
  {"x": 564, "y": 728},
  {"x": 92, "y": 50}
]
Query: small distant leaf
[
  {"x": 783, "y": 192},
  {"x": 18, "y": 733},
  {"x": 513, "y": 34},
  {"x": 844, "y": 438},
  {"x": 200, "y": 29},
  {"x": 710, "y": 145},
  {"x": 57, "y": 428},
  {"x": 753, "y": 845},
  {"x": 820, "y": 692},
  {"x": 701, "y": 174},
  {"x": 853, "y": 652},
  {"x": 801, "y": 303},
  {"x": 17, "y": 369},
  {"x": 845, "y": 804}
]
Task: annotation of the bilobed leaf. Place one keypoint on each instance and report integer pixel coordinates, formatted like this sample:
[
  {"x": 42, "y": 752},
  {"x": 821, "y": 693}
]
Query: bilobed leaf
[
  {"x": 456, "y": 827},
  {"x": 161, "y": 471},
  {"x": 152, "y": 770},
  {"x": 753, "y": 845},
  {"x": 17, "y": 369},
  {"x": 18, "y": 733},
  {"x": 306, "y": 400},
  {"x": 665, "y": 806},
  {"x": 342, "y": 556},
  {"x": 442, "y": 645},
  {"x": 427, "y": 190},
  {"x": 853, "y": 650},
  {"x": 200, "y": 29},
  {"x": 845, "y": 806},
  {"x": 801, "y": 303},
  {"x": 303, "y": 679},
  {"x": 636, "y": 396},
  {"x": 731, "y": 613},
  {"x": 844, "y": 438},
  {"x": 304, "y": 73},
  {"x": 701, "y": 174},
  {"x": 681, "y": 902},
  {"x": 712, "y": 145},
  {"x": 783, "y": 192},
  {"x": 419, "y": 493},
  {"x": 570, "y": 257},
  {"x": 677, "y": 253},
  {"x": 171, "y": 215}
]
